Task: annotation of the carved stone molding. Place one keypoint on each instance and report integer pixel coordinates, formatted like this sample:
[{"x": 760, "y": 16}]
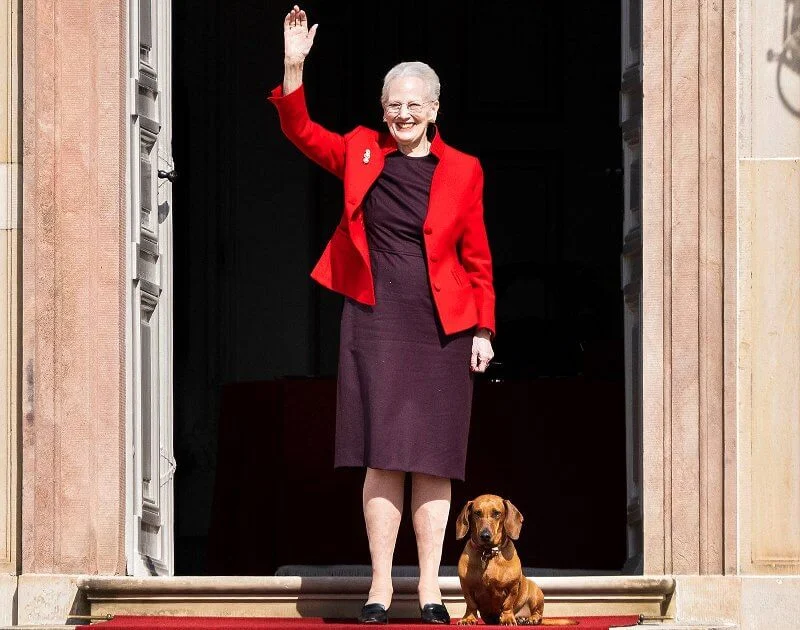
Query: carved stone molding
[
  {"x": 10, "y": 284},
  {"x": 73, "y": 313},
  {"x": 689, "y": 261}
]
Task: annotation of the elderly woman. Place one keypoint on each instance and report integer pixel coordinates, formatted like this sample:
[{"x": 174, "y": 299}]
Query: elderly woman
[{"x": 411, "y": 257}]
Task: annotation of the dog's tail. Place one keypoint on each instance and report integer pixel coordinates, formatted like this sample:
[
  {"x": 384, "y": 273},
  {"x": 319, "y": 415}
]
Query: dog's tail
[{"x": 558, "y": 621}]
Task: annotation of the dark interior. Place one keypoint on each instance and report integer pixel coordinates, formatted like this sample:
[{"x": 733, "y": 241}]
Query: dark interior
[{"x": 529, "y": 87}]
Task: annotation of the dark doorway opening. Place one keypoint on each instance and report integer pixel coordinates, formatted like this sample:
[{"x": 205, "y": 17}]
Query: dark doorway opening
[{"x": 529, "y": 87}]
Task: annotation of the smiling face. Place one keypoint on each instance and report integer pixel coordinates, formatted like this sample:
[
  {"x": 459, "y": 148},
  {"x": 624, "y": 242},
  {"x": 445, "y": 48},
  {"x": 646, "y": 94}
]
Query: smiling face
[{"x": 407, "y": 127}]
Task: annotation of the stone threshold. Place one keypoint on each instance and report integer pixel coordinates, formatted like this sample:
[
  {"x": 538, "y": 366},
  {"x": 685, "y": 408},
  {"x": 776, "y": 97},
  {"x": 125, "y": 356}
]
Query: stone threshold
[
  {"x": 659, "y": 626},
  {"x": 342, "y": 597},
  {"x": 636, "y": 627}
]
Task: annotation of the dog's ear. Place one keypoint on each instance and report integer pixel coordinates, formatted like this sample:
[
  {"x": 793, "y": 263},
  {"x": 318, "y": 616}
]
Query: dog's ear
[
  {"x": 462, "y": 522},
  {"x": 513, "y": 522}
]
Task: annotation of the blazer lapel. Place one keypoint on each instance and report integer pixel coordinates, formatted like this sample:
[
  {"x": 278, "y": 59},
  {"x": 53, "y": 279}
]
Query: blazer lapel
[
  {"x": 439, "y": 193},
  {"x": 367, "y": 165}
]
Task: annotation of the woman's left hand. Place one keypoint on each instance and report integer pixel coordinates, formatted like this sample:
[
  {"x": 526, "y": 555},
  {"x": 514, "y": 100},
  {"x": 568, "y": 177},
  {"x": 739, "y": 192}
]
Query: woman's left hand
[{"x": 482, "y": 352}]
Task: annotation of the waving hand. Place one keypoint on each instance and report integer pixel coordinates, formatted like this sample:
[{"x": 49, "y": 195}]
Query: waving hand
[{"x": 297, "y": 37}]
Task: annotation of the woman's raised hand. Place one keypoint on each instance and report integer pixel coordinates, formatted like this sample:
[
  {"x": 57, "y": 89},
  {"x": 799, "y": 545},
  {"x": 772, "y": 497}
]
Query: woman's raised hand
[{"x": 297, "y": 37}]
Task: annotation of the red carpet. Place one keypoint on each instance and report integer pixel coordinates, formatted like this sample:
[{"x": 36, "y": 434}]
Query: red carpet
[{"x": 314, "y": 623}]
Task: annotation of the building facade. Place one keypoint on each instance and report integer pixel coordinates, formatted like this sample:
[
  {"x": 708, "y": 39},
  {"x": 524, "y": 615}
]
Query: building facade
[{"x": 85, "y": 301}]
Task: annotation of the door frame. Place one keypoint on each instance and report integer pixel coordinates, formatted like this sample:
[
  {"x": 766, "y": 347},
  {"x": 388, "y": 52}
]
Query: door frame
[{"x": 158, "y": 278}]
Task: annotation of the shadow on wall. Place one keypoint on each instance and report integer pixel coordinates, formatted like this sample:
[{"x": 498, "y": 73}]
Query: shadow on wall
[{"x": 787, "y": 58}]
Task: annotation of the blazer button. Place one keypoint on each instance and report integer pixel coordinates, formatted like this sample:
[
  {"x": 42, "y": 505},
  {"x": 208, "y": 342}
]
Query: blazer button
[
  {"x": 436, "y": 287},
  {"x": 434, "y": 258},
  {"x": 428, "y": 230}
]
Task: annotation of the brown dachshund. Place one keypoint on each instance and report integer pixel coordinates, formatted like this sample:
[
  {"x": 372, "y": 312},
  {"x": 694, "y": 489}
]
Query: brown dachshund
[{"x": 490, "y": 570}]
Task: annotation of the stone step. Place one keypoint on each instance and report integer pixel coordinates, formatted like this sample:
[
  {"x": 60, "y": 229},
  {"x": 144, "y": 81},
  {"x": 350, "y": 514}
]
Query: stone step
[
  {"x": 342, "y": 597},
  {"x": 644, "y": 624},
  {"x": 670, "y": 623},
  {"x": 665, "y": 625},
  {"x": 48, "y": 603}
]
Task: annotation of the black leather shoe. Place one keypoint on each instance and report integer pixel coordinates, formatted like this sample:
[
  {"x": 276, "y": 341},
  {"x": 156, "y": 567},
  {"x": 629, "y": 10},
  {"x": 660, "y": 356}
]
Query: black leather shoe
[
  {"x": 373, "y": 613},
  {"x": 434, "y": 613}
]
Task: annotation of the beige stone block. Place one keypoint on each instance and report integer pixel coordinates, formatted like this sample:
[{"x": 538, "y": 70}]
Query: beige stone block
[
  {"x": 769, "y": 353},
  {"x": 9, "y": 399},
  {"x": 8, "y": 598},
  {"x": 10, "y": 200},
  {"x": 748, "y": 603},
  {"x": 776, "y": 364},
  {"x": 770, "y": 603},
  {"x": 49, "y": 599},
  {"x": 9, "y": 80},
  {"x": 707, "y": 599}
]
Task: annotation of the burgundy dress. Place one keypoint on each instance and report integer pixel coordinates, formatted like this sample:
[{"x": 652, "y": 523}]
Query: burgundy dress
[{"x": 404, "y": 392}]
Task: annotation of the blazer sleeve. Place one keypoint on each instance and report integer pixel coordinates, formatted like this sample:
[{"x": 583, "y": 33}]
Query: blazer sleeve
[
  {"x": 476, "y": 256},
  {"x": 325, "y": 147}
]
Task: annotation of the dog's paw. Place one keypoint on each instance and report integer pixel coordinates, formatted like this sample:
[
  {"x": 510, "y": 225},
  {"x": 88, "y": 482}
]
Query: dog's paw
[
  {"x": 529, "y": 621},
  {"x": 508, "y": 619},
  {"x": 468, "y": 620}
]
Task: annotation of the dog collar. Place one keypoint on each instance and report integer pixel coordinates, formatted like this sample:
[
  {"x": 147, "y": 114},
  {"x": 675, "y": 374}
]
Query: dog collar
[{"x": 487, "y": 553}]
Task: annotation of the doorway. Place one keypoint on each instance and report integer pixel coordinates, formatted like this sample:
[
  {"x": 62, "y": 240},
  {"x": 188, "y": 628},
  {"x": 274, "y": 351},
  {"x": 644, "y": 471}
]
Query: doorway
[{"x": 535, "y": 95}]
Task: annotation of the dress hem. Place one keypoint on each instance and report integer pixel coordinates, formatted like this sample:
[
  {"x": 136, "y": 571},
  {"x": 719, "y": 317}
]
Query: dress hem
[{"x": 409, "y": 470}]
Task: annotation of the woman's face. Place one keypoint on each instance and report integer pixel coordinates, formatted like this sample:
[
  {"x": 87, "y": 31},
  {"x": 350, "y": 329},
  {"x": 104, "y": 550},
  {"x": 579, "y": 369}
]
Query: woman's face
[{"x": 408, "y": 110}]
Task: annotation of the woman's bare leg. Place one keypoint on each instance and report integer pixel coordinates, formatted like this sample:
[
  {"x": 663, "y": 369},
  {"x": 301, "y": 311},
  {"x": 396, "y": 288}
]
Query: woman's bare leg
[
  {"x": 383, "y": 508},
  {"x": 430, "y": 507}
]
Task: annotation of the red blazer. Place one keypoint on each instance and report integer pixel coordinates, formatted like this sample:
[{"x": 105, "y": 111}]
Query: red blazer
[{"x": 459, "y": 260}]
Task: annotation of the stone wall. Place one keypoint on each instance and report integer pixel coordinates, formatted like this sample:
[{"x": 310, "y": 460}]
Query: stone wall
[
  {"x": 768, "y": 347},
  {"x": 721, "y": 259},
  {"x": 10, "y": 281}
]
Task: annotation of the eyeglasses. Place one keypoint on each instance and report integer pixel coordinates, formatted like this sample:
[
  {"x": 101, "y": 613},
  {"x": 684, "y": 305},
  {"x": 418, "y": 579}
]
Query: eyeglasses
[{"x": 413, "y": 108}]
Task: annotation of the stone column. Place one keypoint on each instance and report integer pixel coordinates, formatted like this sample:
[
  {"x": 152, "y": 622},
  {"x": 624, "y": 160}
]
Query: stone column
[
  {"x": 689, "y": 261},
  {"x": 73, "y": 312},
  {"x": 10, "y": 258}
]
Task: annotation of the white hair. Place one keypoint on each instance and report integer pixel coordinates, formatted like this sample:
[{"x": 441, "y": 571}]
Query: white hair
[{"x": 417, "y": 69}]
